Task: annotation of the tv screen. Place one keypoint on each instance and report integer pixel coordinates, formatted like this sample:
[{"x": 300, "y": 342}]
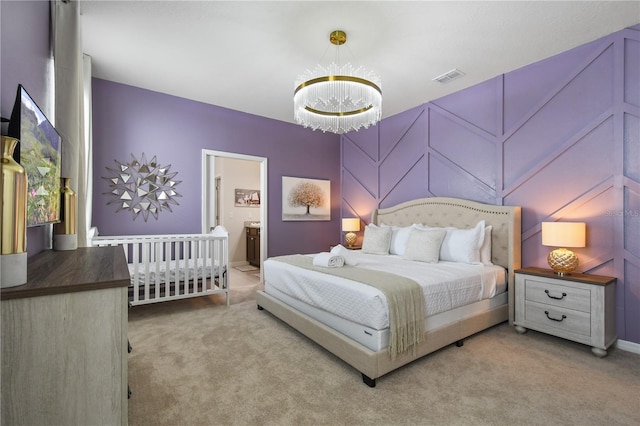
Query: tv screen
[{"x": 40, "y": 155}]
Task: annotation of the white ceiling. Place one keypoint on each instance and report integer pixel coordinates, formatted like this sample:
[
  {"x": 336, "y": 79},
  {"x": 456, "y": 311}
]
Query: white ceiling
[{"x": 246, "y": 55}]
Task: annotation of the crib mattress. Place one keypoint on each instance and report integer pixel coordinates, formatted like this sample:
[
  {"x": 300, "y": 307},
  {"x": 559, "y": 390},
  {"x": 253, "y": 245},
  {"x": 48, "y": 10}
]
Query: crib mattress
[
  {"x": 446, "y": 286},
  {"x": 173, "y": 271}
]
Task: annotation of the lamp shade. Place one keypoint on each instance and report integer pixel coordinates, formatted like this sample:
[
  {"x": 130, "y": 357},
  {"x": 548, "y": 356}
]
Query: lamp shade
[
  {"x": 563, "y": 234},
  {"x": 351, "y": 224}
]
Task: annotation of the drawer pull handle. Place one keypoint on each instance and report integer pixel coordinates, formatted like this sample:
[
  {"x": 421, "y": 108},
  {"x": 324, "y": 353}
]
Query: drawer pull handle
[
  {"x": 555, "y": 319},
  {"x": 555, "y": 297}
]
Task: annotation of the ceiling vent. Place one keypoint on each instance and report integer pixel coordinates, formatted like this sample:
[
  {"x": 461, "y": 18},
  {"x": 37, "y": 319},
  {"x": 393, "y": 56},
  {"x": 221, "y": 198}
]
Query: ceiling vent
[{"x": 448, "y": 76}]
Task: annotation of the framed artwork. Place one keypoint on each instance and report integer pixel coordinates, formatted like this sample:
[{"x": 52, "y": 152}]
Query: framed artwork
[
  {"x": 305, "y": 199},
  {"x": 247, "y": 198}
]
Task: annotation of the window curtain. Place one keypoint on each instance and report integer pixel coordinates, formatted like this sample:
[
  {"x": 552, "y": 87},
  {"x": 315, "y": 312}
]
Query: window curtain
[{"x": 73, "y": 106}]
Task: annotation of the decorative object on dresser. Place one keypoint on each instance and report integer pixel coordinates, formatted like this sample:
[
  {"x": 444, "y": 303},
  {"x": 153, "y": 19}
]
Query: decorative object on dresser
[
  {"x": 578, "y": 307},
  {"x": 65, "y": 233},
  {"x": 349, "y": 225},
  {"x": 13, "y": 230},
  {"x": 562, "y": 235}
]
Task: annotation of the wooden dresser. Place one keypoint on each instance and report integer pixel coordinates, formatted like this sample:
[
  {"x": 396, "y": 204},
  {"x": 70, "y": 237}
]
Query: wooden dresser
[{"x": 64, "y": 340}]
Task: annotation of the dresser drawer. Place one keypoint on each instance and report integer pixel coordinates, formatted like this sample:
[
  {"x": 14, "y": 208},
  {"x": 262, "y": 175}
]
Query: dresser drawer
[
  {"x": 558, "y": 295},
  {"x": 558, "y": 318}
]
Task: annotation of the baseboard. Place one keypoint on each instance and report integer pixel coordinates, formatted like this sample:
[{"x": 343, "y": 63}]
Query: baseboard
[{"x": 628, "y": 346}]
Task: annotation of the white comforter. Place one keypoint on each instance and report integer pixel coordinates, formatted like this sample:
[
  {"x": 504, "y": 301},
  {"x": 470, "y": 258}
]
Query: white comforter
[{"x": 446, "y": 285}]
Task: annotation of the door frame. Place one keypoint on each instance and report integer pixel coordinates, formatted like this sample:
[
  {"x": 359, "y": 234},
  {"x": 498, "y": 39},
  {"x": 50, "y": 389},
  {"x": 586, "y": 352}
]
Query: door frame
[{"x": 208, "y": 189}]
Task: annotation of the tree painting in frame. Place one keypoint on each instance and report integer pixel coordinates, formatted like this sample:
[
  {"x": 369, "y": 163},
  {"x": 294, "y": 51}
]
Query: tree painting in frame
[{"x": 305, "y": 199}]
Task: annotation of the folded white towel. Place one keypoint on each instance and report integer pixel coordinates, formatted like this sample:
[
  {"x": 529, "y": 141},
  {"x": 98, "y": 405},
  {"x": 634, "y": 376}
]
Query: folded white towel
[
  {"x": 328, "y": 260},
  {"x": 349, "y": 256}
]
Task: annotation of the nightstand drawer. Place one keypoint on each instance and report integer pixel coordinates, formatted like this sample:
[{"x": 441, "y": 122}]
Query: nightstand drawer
[
  {"x": 563, "y": 319},
  {"x": 558, "y": 295}
]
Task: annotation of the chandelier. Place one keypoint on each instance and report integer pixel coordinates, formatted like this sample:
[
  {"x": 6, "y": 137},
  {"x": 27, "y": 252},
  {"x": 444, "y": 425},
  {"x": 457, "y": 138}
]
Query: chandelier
[{"x": 337, "y": 98}]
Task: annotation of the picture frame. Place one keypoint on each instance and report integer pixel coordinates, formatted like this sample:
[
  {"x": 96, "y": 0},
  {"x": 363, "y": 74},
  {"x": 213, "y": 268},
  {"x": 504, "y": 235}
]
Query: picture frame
[
  {"x": 305, "y": 199},
  {"x": 247, "y": 197}
]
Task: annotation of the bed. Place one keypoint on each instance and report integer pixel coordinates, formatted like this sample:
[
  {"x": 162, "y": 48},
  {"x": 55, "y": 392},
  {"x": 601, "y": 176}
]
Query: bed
[
  {"x": 175, "y": 266},
  {"x": 365, "y": 346}
]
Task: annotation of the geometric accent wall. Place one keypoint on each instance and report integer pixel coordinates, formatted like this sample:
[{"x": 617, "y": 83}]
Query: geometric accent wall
[{"x": 560, "y": 138}]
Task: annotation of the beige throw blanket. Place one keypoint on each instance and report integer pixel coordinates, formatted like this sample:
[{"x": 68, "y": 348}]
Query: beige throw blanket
[{"x": 404, "y": 297}]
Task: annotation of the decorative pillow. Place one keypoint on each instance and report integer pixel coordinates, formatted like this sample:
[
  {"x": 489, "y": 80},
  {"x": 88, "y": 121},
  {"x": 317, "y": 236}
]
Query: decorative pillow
[
  {"x": 376, "y": 239},
  {"x": 485, "y": 249},
  {"x": 348, "y": 255},
  {"x": 463, "y": 245},
  {"x": 423, "y": 245},
  {"x": 399, "y": 238}
]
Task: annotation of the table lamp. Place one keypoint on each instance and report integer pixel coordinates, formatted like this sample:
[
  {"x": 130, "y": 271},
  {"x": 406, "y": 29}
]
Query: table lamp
[
  {"x": 350, "y": 225},
  {"x": 562, "y": 235}
]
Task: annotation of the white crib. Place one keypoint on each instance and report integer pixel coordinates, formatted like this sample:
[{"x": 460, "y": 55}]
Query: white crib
[{"x": 170, "y": 267}]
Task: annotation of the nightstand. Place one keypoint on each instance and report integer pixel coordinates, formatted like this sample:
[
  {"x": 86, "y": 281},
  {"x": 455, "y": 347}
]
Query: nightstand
[{"x": 578, "y": 307}]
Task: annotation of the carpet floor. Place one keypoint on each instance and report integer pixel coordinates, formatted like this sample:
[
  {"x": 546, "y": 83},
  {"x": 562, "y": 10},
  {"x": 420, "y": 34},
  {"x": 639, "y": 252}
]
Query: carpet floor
[{"x": 198, "y": 362}]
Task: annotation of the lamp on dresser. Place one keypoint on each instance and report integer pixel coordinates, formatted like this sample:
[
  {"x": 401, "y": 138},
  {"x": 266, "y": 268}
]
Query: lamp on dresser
[
  {"x": 562, "y": 235},
  {"x": 350, "y": 225}
]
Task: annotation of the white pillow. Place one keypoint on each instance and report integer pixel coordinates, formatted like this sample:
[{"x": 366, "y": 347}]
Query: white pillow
[
  {"x": 348, "y": 255},
  {"x": 423, "y": 245},
  {"x": 485, "y": 249},
  {"x": 376, "y": 239},
  {"x": 399, "y": 238},
  {"x": 463, "y": 245}
]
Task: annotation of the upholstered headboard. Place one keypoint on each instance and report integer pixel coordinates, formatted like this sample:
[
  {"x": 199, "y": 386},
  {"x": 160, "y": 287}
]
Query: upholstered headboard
[{"x": 506, "y": 237}]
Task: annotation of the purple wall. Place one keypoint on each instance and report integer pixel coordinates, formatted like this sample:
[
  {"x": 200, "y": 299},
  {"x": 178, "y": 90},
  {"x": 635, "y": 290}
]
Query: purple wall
[
  {"x": 560, "y": 137},
  {"x": 129, "y": 120},
  {"x": 24, "y": 44}
]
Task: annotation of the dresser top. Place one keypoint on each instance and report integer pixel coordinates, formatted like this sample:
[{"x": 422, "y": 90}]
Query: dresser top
[{"x": 57, "y": 272}]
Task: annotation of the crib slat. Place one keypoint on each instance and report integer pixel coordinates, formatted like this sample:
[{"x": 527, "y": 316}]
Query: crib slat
[{"x": 136, "y": 276}]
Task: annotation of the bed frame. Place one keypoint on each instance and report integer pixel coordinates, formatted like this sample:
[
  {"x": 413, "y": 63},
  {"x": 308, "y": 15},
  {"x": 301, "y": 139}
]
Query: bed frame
[
  {"x": 435, "y": 211},
  {"x": 196, "y": 264}
]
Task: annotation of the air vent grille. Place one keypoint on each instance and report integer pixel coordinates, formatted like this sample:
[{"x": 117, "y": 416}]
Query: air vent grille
[{"x": 448, "y": 76}]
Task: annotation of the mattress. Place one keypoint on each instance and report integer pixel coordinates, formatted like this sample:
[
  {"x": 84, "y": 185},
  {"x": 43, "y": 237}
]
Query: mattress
[
  {"x": 446, "y": 286},
  {"x": 177, "y": 271}
]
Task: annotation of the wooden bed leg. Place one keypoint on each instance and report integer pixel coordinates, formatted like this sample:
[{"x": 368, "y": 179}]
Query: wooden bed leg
[
  {"x": 369, "y": 381},
  {"x": 459, "y": 343},
  {"x": 260, "y": 308}
]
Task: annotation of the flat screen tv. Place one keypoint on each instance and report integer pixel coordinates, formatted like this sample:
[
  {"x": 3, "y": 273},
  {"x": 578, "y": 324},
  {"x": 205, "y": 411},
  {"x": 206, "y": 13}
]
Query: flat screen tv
[{"x": 40, "y": 154}]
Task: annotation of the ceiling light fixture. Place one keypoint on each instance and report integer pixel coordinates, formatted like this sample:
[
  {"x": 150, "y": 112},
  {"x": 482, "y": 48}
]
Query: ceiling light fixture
[{"x": 337, "y": 98}]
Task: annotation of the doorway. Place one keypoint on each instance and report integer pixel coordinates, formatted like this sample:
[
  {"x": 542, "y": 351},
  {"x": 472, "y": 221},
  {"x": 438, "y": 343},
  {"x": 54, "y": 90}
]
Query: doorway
[{"x": 217, "y": 208}]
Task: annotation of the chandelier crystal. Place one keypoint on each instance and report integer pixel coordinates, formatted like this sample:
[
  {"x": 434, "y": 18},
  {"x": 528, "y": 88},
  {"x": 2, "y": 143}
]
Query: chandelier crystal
[{"x": 337, "y": 98}]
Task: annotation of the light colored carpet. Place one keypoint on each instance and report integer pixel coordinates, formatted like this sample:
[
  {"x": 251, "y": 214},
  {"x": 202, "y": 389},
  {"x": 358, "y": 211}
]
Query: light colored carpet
[{"x": 198, "y": 362}]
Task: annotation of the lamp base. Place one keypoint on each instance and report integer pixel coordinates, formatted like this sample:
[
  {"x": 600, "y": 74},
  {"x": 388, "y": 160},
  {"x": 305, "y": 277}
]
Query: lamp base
[
  {"x": 562, "y": 261},
  {"x": 350, "y": 239}
]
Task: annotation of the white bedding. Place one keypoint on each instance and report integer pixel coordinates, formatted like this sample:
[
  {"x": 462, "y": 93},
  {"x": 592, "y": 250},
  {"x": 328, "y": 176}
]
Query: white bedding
[{"x": 446, "y": 285}]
